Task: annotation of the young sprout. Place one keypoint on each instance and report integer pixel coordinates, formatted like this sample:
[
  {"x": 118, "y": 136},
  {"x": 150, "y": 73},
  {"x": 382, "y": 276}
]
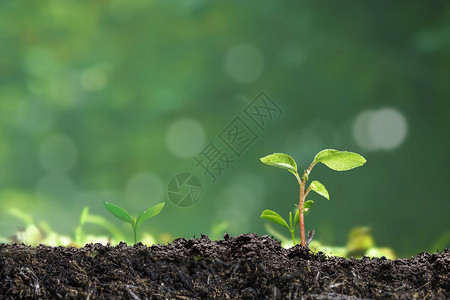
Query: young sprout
[
  {"x": 274, "y": 217},
  {"x": 334, "y": 159},
  {"x": 135, "y": 222}
]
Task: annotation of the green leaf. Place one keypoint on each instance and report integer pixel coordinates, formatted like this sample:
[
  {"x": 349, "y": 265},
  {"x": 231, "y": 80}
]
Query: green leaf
[
  {"x": 296, "y": 218},
  {"x": 119, "y": 212},
  {"x": 308, "y": 204},
  {"x": 339, "y": 160},
  {"x": 84, "y": 215},
  {"x": 290, "y": 219},
  {"x": 272, "y": 216},
  {"x": 319, "y": 188},
  {"x": 280, "y": 160},
  {"x": 151, "y": 212}
]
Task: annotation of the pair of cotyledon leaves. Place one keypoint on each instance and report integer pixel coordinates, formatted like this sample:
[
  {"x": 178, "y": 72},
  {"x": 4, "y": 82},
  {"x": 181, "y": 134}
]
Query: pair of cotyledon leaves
[
  {"x": 334, "y": 159},
  {"x": 135, "y": 222}
]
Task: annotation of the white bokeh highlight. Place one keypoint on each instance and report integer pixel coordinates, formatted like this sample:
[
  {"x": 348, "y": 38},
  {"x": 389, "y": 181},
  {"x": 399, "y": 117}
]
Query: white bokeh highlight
[
  {"x": 144, "y": 187},
  {"x": 94, "y": 78},
  {"x": 303, "y": 143},
  {"x": 56, "y": 186},
  {"x": 244, "y": 63},
  {"x": 384, "y": 129},
  {"x": 32, "y": 118},
  {"x": 245, "y": 193},
  {"x": 58, "y": 154},
  {"x": 235, "y": 202},
  {"x": 185, "y": 138}
]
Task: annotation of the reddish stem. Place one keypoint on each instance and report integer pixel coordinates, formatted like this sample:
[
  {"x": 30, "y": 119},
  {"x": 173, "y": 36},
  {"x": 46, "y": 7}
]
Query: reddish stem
[
  {"x": 300, "y": 212},
  {"x": 301, "y": 202}
]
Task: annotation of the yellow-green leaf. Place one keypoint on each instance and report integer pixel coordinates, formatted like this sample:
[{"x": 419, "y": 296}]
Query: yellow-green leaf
[
  {"x": 339, "y": 160},
  {"x": 151, "y": 212},
  {"x": 297, "y": 217},
  {"x": 320, "y": 189},
  {"x": 119, "y": 212},
  {"x": 272, "y": 216},
  {"x": 308, "y": 204},
  {"x": 281, "y": 160}
]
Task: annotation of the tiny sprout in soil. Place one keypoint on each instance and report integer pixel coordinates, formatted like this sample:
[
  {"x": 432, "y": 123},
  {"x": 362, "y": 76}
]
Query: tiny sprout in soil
[
  {"x": 135, "y": 222},
  {"x": 334, "y": 159},
  {"x": 274, "y": 217}
]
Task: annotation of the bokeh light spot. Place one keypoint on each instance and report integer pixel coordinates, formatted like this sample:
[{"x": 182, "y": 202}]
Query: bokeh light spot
[
  {"x": 244, "y": 63},
  {"x": 185, "y": 138},
  {"x": 292, "y": 55},
  {"x": 94, "y": 79},
  {"x": 303, "y": 143},
  {"x": 253, "y": 184},
  {"x": 383, "y": 129},
  {"x": 361, "y": 130},
  {"x": 57, "y": 187},
  {"x": 388, "y": 128},
  {"x": 40, "y": 62},
  {"x": 234, "y": 202},
  {"x": 33, "y": 118},
  {"x": 58, "y": 154},
  {"x": 144, "y": 187},
  {"x": 166, "y": 99}
]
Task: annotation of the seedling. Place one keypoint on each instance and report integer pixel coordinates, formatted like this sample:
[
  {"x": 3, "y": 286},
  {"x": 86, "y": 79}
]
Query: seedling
[
  {"x": 135, "y": 222},
  {"x": 333, "y": 159}
]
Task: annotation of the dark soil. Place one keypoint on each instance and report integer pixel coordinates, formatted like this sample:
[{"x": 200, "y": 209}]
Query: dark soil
[{"x": 242, "y": 267}]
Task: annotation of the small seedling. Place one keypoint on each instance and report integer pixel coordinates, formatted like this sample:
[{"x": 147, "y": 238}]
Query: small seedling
[
  {"x": 135, "y": 222},
  {"x": 334, "y": 159},
  {"x": 274, "y": 217}
]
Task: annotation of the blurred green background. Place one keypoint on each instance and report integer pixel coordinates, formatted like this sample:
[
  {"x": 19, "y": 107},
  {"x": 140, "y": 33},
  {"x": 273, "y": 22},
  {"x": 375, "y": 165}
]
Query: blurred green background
[{"x": 107, "y": 100}]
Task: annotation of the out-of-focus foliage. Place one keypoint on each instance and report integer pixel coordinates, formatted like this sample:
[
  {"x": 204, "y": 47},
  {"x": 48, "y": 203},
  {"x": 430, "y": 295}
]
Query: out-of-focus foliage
[
  {"x": 41, "y": 233},
  {"x": 108, "y": 100},
  {"x": 359, "y": 243}
]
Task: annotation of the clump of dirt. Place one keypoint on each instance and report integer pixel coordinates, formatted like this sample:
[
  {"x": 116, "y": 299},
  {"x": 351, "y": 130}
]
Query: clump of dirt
[{"x": 242, "y": 267}]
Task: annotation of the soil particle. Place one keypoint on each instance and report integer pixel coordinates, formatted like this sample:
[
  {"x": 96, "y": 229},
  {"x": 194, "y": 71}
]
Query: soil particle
[{"x": 242, "y": 267}]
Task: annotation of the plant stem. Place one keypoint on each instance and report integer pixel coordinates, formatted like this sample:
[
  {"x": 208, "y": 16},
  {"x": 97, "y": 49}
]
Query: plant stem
[
  {"x": 135, "y": 233},
  {"x": 310, "y": 168},
  {"x": 293, "y": 236},
  {"x": 301, "y": 216},
  {"x": 307, "y": 192},
  {"x": 301, "y": 203}
]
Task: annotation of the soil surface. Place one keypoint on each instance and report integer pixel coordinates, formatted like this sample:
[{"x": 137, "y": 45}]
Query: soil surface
[{"x": 242, "y": 267}]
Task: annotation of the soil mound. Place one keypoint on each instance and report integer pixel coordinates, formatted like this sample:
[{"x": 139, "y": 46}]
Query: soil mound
[{"x": 242, "y": 267}]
